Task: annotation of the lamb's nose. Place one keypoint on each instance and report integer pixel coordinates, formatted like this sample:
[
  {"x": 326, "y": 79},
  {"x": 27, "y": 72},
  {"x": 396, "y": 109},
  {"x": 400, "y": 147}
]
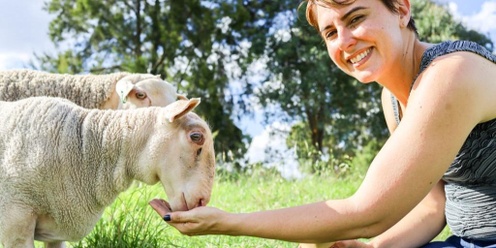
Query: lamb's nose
[{"x": 202, "y": 202}]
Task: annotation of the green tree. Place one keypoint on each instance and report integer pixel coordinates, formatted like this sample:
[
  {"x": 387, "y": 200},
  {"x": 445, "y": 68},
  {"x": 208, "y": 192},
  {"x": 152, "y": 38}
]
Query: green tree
[{"x": 190, "y": 43}]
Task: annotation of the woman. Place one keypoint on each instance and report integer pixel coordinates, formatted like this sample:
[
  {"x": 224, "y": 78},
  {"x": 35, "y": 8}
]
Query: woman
[{"x": 442, "y": 151}]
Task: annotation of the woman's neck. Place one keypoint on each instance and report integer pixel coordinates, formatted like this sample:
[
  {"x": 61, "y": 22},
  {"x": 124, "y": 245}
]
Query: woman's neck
[{"x": 404, "y": 70}]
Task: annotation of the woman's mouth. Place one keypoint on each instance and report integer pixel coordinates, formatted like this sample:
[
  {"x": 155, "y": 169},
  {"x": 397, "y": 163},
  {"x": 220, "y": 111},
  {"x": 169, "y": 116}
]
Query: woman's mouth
[{"x": 360, "y": 56}]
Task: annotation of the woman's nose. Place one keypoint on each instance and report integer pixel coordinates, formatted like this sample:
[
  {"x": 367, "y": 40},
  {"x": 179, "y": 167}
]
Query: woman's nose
[{"x": 345, "y": 39}]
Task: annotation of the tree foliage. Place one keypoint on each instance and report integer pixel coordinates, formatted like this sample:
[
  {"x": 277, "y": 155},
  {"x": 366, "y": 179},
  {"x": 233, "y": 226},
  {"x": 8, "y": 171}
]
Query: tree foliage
[
  {"x": 339, "y": 114},
  {"x": 190, "y": 43}
]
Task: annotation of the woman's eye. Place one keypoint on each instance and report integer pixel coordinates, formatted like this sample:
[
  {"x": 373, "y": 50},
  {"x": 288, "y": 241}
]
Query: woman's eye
[
  {"x": 330, "y": 34},
  {"x": 355, "y": 20}
]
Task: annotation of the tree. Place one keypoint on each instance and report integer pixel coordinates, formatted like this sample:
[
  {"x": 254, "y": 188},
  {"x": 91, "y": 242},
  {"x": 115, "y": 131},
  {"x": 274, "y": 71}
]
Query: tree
[{"x": 190, "y": 43}]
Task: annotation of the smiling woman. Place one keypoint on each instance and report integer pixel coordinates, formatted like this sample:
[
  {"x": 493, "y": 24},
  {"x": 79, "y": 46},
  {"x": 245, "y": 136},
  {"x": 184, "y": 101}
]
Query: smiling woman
[
  {"x": 361, "y": 21},
  {"x": 440, "y": 151}
]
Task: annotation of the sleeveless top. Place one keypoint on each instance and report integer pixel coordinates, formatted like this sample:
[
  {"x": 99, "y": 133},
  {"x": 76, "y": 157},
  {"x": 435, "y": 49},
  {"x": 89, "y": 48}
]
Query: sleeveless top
[{"x": 471, "y": 179}]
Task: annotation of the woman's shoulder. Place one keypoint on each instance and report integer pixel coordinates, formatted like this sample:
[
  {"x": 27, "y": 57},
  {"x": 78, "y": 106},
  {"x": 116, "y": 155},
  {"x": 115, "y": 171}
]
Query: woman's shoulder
[
  {"x": 444, "y": 49},
  {"x": 459, "y": 60},
  {"x": 457, "y": 63},
  {"x": 464, "y": 69}
]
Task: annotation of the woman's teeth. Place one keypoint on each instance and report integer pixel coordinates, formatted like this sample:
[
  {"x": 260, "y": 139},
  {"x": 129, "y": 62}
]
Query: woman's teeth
[{"x": 360, "y": 56}]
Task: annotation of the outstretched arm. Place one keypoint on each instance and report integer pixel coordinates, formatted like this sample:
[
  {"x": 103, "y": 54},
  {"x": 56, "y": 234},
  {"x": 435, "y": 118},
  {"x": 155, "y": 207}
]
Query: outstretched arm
[
  {"x": 406, "y": 169},
  {"x": 427, "y": 218},
  {"x": 442, "y": 110}
]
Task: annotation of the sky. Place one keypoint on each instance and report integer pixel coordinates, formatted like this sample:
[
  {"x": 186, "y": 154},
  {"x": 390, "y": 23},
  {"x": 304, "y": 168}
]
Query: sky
[
  {"x": 24, "y": 31},
  {"x": 24, "y": 26}
]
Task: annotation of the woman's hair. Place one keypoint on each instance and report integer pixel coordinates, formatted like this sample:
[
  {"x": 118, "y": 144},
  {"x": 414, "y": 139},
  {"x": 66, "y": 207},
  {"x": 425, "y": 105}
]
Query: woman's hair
[{"x": 312, "y": 19}]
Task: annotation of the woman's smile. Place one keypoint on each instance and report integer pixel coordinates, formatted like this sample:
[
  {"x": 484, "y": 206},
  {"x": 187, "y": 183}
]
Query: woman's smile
[{"x": 360, "y": 58}]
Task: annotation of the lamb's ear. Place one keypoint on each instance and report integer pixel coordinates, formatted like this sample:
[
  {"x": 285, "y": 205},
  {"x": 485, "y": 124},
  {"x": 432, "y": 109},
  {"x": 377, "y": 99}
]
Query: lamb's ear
[
  {"x": 123, "y": 87},
  {"x": 179, "y": 108},
  {"x": 181, "y": 97}
]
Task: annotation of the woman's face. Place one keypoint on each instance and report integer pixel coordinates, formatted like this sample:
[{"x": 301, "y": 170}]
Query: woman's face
[{"x": 364, "y": 39}]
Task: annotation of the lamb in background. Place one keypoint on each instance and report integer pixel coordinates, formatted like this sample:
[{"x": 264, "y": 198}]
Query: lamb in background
[
  {"x": 120, "y": 90},
  {"x": 61, "y": 164}
]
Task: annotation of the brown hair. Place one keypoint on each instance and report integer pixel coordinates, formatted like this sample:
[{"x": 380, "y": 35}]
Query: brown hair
[{"x": 312, "y": 20}]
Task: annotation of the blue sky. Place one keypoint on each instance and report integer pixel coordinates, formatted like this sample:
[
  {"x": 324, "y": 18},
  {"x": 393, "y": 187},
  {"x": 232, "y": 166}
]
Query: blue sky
[
  {"x": 24, "y": 28},
  {"x": 476, "y": 14}
]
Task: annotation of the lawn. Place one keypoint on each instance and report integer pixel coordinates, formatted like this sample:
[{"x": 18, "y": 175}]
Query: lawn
[{"x": 130, "y": 222}]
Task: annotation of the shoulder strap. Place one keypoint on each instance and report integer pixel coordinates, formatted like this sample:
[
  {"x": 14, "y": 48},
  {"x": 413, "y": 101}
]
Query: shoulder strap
[{"x": 396, "y": 109}]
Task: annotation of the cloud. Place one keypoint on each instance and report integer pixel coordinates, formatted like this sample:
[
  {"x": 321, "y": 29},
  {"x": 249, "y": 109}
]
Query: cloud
[
  {"x": 482, "y": 21},
  {"x": 269, "y": 148},
  {"x": 485, "y": 19},
  {"x": 24, "y": 30},
  {"x": 14, "y": 60}
]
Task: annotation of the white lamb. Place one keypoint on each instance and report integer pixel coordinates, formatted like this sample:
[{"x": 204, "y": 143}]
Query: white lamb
[
  {"x": 120, "y": 90},
  {"x": 61, "y": 164}
]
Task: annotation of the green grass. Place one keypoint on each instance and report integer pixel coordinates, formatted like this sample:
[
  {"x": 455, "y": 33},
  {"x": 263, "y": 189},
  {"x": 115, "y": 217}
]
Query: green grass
[{"x": 131, "y": 222}]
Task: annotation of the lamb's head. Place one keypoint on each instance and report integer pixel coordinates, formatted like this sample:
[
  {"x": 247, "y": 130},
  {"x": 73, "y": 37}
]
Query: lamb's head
[
  {"x": 144, "y": 90},
  {"x": 184, "y": 151}
]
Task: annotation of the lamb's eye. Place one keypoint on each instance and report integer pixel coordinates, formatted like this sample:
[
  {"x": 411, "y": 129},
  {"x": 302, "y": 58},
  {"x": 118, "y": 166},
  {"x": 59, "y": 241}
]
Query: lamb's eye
[
  {"x": 198, "y": 152},
  {"x": 197, "y": 137},
  {"x": 140, "y": 95}
]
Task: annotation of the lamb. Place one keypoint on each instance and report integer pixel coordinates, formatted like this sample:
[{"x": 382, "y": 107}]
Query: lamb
[
  {"x": 120, "y": 90},
  {"x": 61, "y": 165}
]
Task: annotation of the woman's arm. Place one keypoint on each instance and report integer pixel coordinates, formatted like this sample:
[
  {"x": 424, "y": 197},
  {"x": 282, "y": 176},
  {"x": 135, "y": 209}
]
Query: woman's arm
[
  {"x": 420, "y": 226},
  {"x": 446, "y": 103},
  {"x": 417, "y": 228},
  {"x": 425, "y": 221},
  {"x": 390, "y": 118},
  {"x": 426, "y": 218}
]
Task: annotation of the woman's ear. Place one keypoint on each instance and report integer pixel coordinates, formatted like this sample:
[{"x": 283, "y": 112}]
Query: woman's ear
[{"x": 404, "y": 12}]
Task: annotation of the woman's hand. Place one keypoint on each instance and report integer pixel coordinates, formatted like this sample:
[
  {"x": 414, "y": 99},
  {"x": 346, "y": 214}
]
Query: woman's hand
[
  {"x": 351, "y": 244},
  {"x": 197, "y": 221},
  {"x": 161, "y": 207},
  {"x": 338, "y": 244}
]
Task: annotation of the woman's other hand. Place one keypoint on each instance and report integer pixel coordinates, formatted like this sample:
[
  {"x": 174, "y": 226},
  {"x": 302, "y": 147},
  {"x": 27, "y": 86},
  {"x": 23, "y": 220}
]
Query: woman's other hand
[{"x": 338, "y": 244}]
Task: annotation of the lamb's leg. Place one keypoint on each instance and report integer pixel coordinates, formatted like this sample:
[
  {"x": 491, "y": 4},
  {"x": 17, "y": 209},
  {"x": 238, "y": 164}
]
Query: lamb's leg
[
  {"x": 59, "y": 244},
  {"x": 17, "y": 227}
]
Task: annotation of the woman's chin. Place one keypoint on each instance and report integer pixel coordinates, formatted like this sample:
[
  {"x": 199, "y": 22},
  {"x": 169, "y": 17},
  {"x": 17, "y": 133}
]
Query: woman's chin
[{"x": 364, "y": 79}]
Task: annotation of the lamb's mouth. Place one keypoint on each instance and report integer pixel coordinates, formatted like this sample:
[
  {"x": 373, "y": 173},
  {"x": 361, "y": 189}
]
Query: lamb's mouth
[
  {"x": 185, "y": 202},
  {"x": 360, "y": 56}
]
